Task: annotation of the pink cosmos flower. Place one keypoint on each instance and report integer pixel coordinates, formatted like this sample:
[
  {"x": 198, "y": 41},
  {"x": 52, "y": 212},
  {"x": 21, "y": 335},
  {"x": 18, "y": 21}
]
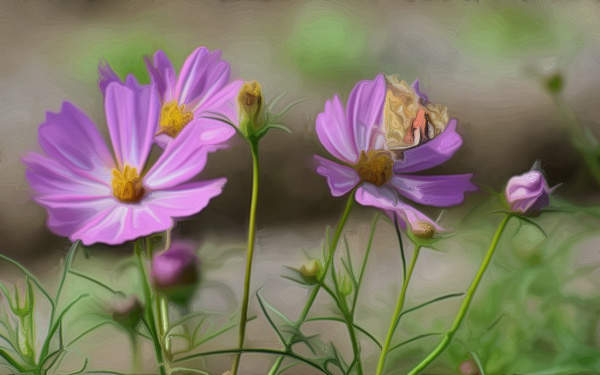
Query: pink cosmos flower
[
  {"x": 93, "y": 197},
  {"x": 200, "y": 89},
  {"x": 387, "y": 130}
]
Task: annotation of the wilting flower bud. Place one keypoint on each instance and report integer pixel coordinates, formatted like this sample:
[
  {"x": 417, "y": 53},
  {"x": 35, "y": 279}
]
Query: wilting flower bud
[
  {"x": 422, "y": 229},
  {"x": 250, "y": 101},
  {"x": 175, "y": 272},
  {"x": 126, "y": 311},
  {"x": 311, "y": 271},
  {"x": 528, "y": 193}
]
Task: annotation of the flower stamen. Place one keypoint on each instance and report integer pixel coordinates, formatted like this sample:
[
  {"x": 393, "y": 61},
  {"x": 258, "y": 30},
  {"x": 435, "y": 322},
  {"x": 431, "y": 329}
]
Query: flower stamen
[
  {"x": 173, "y": 118},
  {"x": 127, "y": 185},
  {"x": 375, "y": 166}
]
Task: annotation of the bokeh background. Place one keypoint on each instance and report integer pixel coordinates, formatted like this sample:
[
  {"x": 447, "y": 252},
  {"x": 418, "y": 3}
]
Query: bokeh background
[{"x": 498, "y": 66}]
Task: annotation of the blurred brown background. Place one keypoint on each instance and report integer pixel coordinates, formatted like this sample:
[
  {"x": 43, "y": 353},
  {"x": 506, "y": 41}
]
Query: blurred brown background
[{"x": 487, "y": 61}]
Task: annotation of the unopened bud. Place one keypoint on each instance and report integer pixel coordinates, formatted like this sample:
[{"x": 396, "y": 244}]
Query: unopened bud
[
  {"x": 250, "y": 101},
  {"x": 422, "y": 229},
  {"x": 528, "y": 193},
  {"x": 468, "y": 367},
  {"x": 345, "y": 286},
  {"x": 126, "y": 311},
  {"x": 175, "y": 272},
  {"x": 311, "y": 271}
]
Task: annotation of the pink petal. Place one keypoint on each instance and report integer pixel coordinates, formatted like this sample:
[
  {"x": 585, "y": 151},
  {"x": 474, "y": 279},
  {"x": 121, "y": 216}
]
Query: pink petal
[
  {"x": 432, "y": 153},
  {"x": 202, "y": 75},
  {"x": 71, "y": 138},
  {"x": 121, "y": 223},
  {"x": 334, "y": 132},
  {"x": 67, "y": 216},
  {"x": 106, "y": 76},
  {"x": 48, "y": 177},
  {"x": 222, "y": 102},
  {"x": 131, "y": 114},
  {"x": 440, "y": 191},
  {"x": 341, "y": 179},
  {"x": 185, "y": 200},
  {"x": 186, "y": 156},
  {"x": 364, "y": 110},
  {"x": 386, "y": 199},
  {"x": 163, "y": 75}
]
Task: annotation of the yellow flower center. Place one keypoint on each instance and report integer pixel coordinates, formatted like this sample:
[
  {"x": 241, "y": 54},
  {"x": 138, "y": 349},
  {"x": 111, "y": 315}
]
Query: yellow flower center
[
  {"x": 408, "y": 122},
  {"x": 127, "y": 185},
  {"x": 375, "y": 166},
  {"x": 173, "y": 118}
]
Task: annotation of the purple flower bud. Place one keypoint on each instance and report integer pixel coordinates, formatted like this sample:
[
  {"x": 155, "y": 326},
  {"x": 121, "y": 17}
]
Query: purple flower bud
[
  {"x": 175, "y": 272},
  {"x": 528, "y": 193}
]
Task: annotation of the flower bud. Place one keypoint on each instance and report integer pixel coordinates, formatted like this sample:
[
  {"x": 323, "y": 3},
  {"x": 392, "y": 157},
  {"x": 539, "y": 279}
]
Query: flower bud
[
  {"x": 126, "y": 311},
  {"x": 422, "y": 229},
  {"x": 311, "y": 271},
  {"x": 527, "y": 193},
  {"x": 468, "y": 367},
  {"x": 345, "y": 285},
  {"x": 175, "y": 272},
  {"x": 250, "y": 101}
]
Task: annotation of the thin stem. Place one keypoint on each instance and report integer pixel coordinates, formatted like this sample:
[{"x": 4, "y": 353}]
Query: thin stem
[
  {"x": 249, "y": 255},
  {"x": 149, "y": 319},
  {"x": 402, "y": 254},
  {"x": 315, "y": 291},
  {"x": 466, "y": 302},
  {"x": 397, "y": 312},
  {"x": 364, "y": 265},
  {"x": 256, "y": 350}
]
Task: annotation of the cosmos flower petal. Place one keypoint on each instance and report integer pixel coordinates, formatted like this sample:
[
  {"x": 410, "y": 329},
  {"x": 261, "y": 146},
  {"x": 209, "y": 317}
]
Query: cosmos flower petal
[
  {"x": 121, "y": 223},
  {"x": 386, "y": 199},
  {"x": 364, "y": 110},
  {"x": 222, "y": 102},
  {"x": 47, "y": 176},
  {"x": 106, "y": 76},
  {"x": 334, "y": 132},
  {"x": 187, "y": 199},
  {"x": 163, "y": 75},
  {"x": 186, "y": 156},
  {"x": 432, "y": 153},
  {"x": 131, "y": 114},
  {"x": 439, "y": 191},
  {"x": 72, "y": 138},
  {"x": 202, "y": 75},
  {"x": 340, "y": 178},
  {"x": 67, "y": 216}
]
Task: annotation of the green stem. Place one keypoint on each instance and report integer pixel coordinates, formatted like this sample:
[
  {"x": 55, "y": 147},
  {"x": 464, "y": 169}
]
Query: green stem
[
  {"x": 149, "y": 318},
  {"x": 466, "y": 302},
  {"x": 249, "y": 255},
  {"x": 397, "y": 312},
  {"x": 315, "y": 291}
]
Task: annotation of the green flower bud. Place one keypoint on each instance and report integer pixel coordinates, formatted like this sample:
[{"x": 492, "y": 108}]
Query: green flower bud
[
  {"x": 345, "y": 285},
  {"x": 311, "y": 271},
  {"x": 250, "y": 101}
]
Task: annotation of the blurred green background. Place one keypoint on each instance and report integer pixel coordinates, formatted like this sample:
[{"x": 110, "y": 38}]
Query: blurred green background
[{"x": 492, "y": 63}]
